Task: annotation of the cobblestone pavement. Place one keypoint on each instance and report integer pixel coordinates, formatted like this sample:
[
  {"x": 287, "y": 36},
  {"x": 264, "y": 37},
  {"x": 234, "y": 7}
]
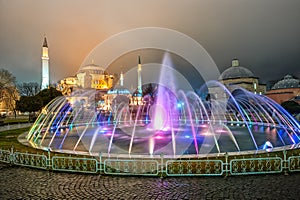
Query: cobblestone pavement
[{"x": 26, "y": 183}]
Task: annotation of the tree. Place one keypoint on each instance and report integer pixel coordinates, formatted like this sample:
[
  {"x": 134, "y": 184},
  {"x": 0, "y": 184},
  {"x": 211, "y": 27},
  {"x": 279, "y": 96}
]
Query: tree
[
  {"x": 8, "y": 93},
  {"x": 35, "y": 103},
  {"x": 28, "y": 89},
  {"x": 150, "y": 89},
  {"x": 48, "y": 95},
  {"x": 29, "y": 104},
  {"x": 6, "y": 79},
  {"x": 291, "y": 106},
  {"x": 13, "y": 97}
]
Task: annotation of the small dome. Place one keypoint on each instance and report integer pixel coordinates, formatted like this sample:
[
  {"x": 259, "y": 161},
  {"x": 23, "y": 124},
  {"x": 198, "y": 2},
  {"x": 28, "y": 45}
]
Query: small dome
[
  {"x": 120, "y": 90},
  {"x": 236, "y": 71},
  {"x": 287, "y": 82}
]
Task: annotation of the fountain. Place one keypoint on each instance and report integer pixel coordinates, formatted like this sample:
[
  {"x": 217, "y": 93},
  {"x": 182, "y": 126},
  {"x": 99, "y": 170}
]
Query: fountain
[{"x": 175, "y": 123}]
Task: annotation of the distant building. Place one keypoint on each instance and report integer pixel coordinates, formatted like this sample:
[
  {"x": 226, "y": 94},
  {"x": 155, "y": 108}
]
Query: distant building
[
  {"x": 238, "y": 76},
  {"x": 94, "y": 76},
  {"x": 116, "y": 95},
  {"x": 286, "y": 89},
  {"x": 109, "y": 94},
  {"x": 122, "y": 95},
  {"x": 67, "y": 85},
  {"x": 89, "y": 77}
]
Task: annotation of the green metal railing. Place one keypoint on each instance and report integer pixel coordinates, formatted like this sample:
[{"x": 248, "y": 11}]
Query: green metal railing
[
  {"x": 294, "y": 163},
  {"x": 73, "y": 164},
  {"x": 5, "y": 156},
  {"x": 256, "y": 165},
  {"x": 30, "y": 160},
  {"x": 222, "y": 165},
  {"x": 131, "y": 167},
  {"x": 194, "y": 167}
]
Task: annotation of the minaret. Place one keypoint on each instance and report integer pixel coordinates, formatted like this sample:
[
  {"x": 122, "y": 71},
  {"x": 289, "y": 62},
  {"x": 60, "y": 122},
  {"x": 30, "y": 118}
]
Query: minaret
[
  {"x": 121, "y": 79},
  {"x": 45, "y": 65},
  {"x": 139, "y": 70}
]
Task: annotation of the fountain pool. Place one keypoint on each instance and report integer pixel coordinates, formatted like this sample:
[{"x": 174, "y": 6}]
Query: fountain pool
[{"x": 174, "y": 124}]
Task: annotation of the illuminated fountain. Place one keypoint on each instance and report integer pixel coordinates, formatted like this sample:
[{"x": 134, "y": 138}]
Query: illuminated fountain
[{"x": 176, "y": 123}]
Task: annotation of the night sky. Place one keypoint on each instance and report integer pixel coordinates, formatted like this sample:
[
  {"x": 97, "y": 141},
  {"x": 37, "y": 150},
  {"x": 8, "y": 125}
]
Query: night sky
[{"x": 263, "y": 34}]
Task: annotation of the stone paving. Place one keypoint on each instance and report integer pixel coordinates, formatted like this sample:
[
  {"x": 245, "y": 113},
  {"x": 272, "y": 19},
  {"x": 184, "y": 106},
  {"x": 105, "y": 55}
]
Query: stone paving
[{"x": 27, "y": 183}]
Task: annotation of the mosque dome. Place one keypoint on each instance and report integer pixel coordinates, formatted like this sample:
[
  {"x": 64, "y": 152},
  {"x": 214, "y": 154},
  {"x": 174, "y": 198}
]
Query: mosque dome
[
  {"x": 236, "y": 71},
  {"x": 287, "y": 82},
  {"x": 92, "y": 68},
  {"x": 119, "y": 90}
]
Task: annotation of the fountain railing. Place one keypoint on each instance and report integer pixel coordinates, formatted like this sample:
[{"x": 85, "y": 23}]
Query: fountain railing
[{"x": 280, "y": 161}]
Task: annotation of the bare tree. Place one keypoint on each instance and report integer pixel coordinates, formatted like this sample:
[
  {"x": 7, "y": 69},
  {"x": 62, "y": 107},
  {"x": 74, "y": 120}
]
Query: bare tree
[
  {"x": 8, "y": 92},
  {"x": 28, "y": 89},
  {"x": 6, "y": 79},
  {"x": 13, "y": 97}
]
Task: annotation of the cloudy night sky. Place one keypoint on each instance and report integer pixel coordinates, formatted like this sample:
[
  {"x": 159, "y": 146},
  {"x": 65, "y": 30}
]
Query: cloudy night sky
[{"x": 263, "y": 34}]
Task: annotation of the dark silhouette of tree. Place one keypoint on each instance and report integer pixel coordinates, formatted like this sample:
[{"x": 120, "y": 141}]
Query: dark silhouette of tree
[
  {"x": 149, "y": 89},
  {"x": 30, "y": 104},
  {"x": 291, "y": 106},
  {"x": 35, "y": 103},
  {"x": 48, "y": 95}
]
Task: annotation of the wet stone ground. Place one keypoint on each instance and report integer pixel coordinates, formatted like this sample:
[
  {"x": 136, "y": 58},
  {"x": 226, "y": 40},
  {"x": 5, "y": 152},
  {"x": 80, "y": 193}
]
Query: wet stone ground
[{"x": 26, "y": 183}]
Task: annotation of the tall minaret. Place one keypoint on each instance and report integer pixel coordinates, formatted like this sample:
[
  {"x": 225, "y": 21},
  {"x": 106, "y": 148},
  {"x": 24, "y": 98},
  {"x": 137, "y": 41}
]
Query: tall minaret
[
  {"x": 45, "y": 65},
  {"x": 139, "y": 70},
  {"x": 121, "y": 79}
]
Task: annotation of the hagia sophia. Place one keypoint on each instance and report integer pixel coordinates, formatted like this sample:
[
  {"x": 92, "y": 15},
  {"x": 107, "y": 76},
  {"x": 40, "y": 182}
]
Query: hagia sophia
[{"x": 89, "y": 76}]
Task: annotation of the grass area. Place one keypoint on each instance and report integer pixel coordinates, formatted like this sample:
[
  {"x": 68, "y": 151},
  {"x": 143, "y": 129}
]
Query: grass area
[
  {"x": 9, "y": 138},
  {"x": 15, "y": 121},
  {"x": 11, "y": 120}
]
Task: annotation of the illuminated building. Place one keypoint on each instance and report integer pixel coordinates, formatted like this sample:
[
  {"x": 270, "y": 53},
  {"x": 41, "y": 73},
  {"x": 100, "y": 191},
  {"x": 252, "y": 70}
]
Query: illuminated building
[
  {"x": 67, "y": 85},
  {"x": 286, "y": 89},
  {"x": 88, "y": 77},
  {"x": 238, "y": 76},
  {"x": 95, "y": 77},
  {"x": 108, "y": 94},
  {"x": 137, "y": 97},
  {"x": 118, "y": 94}
]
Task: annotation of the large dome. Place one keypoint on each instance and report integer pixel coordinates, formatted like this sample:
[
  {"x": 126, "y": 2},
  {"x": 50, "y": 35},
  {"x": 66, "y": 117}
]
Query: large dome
[
  {"x": 287, "y": 82},
  {"x": 92, "y": 68},
  {"x": 236, "y": 71}
]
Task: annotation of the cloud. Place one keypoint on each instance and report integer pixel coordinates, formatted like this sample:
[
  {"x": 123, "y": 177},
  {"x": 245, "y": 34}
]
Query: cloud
[{"x": 264, "y": 35}]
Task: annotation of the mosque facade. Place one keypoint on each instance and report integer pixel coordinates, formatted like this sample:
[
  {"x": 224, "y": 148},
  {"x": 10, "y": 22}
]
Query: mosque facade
[
  {"x": 90, "y": 76},
  {"x": 109, "y": 88},
  {"x": 237, "y": 76},
  {"x": 285, "y": 90}
]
